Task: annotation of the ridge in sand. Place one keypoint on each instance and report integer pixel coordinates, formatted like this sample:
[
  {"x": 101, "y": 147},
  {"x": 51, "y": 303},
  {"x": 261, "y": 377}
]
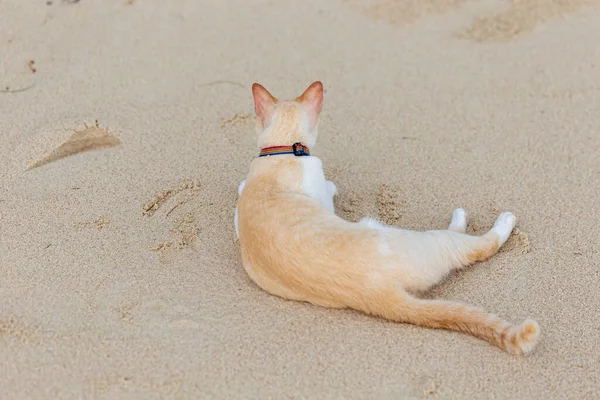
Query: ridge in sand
[{"x": 88, "y": 139}]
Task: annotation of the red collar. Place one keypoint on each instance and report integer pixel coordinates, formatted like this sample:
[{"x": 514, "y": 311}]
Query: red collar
[{"x": 297, "y": 149}]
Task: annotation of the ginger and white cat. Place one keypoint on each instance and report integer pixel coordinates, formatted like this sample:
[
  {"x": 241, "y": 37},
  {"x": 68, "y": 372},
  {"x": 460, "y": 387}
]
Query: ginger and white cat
[{"x": 294, "y": 246}]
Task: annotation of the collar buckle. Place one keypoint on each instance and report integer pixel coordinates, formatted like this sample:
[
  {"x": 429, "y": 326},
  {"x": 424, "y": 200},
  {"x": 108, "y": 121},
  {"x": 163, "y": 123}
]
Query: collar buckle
[{"x": 299, "y": 149}]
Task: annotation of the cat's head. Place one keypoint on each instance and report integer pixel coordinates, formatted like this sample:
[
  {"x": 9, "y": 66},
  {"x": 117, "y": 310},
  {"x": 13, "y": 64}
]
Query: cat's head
[{"x": 285, "y": 122}]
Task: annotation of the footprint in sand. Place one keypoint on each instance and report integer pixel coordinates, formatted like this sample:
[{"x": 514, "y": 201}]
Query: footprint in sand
[
  {"x": 509, "y": 19},
  {"x": 15, "y": 328},
  {"x": 184, "y": 232},
  {"x": 403, "y": 12},
  {"x": 125, "y": 312},
  {"x": 519, "y": 17},
  {"x": 88, "y": 139},
  {"x": 389, "y": 204},
  {"x": 182, "y": 235},
  {"x": 184, "y": 192},
  {"x": 237, "y": 119},
  {"x": 518, "y": 241},
  {"x": 349, "y": 207},
  {"x": 99, "y": 223}
]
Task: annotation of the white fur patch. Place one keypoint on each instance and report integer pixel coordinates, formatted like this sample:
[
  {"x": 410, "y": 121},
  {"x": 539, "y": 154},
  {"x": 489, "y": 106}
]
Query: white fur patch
[
  {"x": 371, "y": 223},
  {"x": 314, "y": 183},
  {"x": 384, "y": 247}
]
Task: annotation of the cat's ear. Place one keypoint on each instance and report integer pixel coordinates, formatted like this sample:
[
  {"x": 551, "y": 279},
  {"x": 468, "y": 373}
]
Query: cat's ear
[
  {"x": 263, "y": 102},
  {"x": 312, "y": 98}
]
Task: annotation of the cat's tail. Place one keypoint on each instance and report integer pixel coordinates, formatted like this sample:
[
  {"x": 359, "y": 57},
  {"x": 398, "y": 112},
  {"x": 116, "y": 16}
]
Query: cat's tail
[{"x": 516, "y": 339}]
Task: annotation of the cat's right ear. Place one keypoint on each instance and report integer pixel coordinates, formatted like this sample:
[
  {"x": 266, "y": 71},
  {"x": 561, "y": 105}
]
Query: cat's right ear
[{"x": 263, "y": 102}]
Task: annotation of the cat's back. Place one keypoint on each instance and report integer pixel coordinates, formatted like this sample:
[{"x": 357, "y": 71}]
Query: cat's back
[
  {"x": 268, "y": 207},
  {"x": 273, "y": 183}
]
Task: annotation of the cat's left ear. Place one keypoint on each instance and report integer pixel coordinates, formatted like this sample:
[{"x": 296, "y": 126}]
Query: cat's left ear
[
  {"x": 263, "y": 102},
  {"x": 312, "y": 98}
]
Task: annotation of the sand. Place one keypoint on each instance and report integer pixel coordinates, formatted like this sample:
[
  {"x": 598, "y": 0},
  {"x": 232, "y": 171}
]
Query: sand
[{"x": 126, "y": 128}]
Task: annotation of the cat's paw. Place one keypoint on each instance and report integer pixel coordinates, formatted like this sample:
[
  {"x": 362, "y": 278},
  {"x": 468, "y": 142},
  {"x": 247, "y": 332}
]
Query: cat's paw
[
  {"x": 503, "y": 226},
  {"x": 522, "y": 339},
  {"x": 459, "y": 220}
]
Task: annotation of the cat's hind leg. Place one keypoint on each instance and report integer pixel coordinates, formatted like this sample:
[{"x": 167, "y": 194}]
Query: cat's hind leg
[
  {"x": 463, "y": 249},
  {"x": 437, "y": 253},
  {"x": 490, "y": 243}
]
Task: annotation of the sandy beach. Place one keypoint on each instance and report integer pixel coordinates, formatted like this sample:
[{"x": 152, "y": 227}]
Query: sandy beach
[{"x": 126, "y": 127}]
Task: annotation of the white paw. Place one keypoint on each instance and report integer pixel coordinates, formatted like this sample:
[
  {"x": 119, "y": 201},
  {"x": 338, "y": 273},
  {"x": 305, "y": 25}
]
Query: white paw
[
  {"x": 504, "y": 225},
  {"x": 459, "y": 220}
]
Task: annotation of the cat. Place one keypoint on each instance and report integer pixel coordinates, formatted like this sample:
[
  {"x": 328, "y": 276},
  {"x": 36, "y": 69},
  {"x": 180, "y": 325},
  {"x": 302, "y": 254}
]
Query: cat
[{"x": 294, "y": 246}]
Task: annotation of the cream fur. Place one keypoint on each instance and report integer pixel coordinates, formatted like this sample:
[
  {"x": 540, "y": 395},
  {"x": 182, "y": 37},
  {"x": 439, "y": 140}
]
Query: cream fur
[{"x": 294, "y": 246}]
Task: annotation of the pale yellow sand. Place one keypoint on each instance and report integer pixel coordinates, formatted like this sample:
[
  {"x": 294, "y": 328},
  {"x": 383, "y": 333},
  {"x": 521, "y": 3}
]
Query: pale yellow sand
[{"x": 119, "y": 272}]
